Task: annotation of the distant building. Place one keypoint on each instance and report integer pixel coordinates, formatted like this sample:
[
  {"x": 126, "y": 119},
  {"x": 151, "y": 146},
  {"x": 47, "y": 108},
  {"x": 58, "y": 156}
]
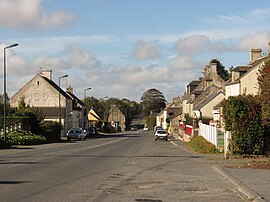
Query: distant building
[
  {"x": 93, "y": 118},
  {"x": 117, "y": 118}
]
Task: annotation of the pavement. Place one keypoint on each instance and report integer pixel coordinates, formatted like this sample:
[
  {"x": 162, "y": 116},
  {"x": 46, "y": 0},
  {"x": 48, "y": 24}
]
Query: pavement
[{"x": 252, "y": 181}]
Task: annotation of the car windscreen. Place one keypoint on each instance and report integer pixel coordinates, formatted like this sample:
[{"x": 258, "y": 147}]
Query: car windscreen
[{"x": 161, "y": 132}]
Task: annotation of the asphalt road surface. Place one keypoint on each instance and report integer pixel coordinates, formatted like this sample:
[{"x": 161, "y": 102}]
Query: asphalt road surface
[{"x": 126, "y": 167}]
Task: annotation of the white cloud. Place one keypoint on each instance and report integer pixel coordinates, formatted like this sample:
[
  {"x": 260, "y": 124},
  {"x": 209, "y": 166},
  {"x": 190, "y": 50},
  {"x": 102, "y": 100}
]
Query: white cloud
[
  {"x": 30, "y": 16},
  {"x": 145, "y": 50},
  {"x": 257, "y": 40},
  {"x": 252, "y": 17},
  {"x": 198, "y": 44}
]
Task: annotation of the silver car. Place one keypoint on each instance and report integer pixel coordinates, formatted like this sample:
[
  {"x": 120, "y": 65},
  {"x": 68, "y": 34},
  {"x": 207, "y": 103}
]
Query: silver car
[{"x": 76, "y": 133}]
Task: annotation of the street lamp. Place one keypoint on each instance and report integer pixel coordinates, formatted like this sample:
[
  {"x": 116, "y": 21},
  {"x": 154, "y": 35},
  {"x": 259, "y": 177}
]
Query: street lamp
[
  {"x": 84, "y": 95},
  {"x": 5, "y": 89},
  {"x": 84, "y": 109},
  {"x": 59, "y": 136}
]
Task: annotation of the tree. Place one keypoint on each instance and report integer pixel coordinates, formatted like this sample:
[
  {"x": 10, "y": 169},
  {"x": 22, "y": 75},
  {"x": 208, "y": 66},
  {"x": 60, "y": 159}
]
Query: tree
[
  {"x": 102, "y": 107},
  {"x": 30, "y": 117},
  {"x": 152, "y": 101},
  {"x": 242, "y": 116},
  {"x": 264, "y": 97},
  {"x": 221, "y": 71}
]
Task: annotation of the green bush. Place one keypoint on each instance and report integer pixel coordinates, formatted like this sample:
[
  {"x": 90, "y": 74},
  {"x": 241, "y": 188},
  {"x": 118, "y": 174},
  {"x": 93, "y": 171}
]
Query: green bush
[
  {"x": 50, "y": 130},
  {"x": 23, "y": 137},
  {"x": 242, "y": 115},
  {"x": 201, "y": 145}
]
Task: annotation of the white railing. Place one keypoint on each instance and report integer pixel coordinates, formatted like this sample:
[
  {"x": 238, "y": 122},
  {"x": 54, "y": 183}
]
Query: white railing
[
  {"x": 11, "y": 128},
  {"x": 210, "y": 133}
]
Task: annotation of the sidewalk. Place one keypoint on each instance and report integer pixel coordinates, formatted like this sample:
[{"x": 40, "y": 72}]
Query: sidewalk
[{"x": 252, "y": 180}]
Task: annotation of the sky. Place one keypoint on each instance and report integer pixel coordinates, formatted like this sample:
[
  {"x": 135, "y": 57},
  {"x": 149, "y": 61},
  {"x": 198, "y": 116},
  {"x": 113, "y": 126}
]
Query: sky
[{"x": 121, "y": 48}]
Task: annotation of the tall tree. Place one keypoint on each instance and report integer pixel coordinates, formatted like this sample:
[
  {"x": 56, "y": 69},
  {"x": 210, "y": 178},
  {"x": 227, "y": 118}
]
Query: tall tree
[
  {"x": 221, "y": 71},
  {"x": 152, "y": 101}
]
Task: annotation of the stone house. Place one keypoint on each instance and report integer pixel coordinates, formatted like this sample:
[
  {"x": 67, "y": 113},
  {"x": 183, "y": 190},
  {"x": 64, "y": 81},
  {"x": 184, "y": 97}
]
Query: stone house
[
  {"x": 198, "y": 92},
  {"x": 43, "y": 93},
  {"x": 117, "y": 118}
]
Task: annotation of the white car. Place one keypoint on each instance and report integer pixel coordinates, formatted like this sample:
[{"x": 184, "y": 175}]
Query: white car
[{"x": 161, "y": 134}]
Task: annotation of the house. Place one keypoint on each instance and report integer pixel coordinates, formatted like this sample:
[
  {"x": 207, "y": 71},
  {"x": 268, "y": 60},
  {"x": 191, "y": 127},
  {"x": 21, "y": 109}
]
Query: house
[
  {"x": 189, "y": 95},
  {"x": 232, "y": 86},
  {"x": 171, "y": 109},
  {"x": 93, "y": 118},
  {"x": 41, "y": 92},
  {"x": 78, "y": 117},
  {"x": 117, "y": 118},
  {"x": 242, "y": 82},
  {"x": 244, "y": 78},
  {"x": 199, "y": 93},
  {"x": 205, "y": 107}
]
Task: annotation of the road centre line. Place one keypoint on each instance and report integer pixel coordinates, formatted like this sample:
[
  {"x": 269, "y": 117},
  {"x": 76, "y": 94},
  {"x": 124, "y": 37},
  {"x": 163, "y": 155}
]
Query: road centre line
[{"x": 59, "y": 153}]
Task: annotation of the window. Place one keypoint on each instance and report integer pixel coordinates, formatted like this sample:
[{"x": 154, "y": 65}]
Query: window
[{"x": 38, "y": 83}]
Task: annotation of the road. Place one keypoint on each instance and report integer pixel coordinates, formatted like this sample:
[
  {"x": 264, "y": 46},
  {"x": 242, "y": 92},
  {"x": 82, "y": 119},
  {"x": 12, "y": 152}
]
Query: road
[{"x": 127, "y": 167}]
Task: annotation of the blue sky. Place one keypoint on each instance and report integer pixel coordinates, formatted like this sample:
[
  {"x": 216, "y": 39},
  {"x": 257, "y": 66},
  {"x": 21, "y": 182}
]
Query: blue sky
[{"x": 121, "y": 48}]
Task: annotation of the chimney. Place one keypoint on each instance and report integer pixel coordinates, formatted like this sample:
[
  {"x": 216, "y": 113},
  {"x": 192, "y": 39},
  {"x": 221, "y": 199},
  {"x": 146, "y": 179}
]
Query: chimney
[
  {"x": 69, "y": 89},
  {"x": 255, "y": 54},
  {"x": 235, "y": 75},
  {"x": 206, "y": 70},
  {"x": 213, "y": 68},
  {"x": 46, "y": 73}
]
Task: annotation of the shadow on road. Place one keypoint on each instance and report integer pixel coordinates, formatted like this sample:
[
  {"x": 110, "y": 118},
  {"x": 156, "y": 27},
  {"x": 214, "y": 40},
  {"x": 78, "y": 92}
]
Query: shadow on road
[{"x": 14, "y": 182}]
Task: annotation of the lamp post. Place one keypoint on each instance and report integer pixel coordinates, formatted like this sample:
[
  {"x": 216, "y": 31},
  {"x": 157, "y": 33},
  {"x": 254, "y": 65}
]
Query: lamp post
[
  {"x": 60, "y": 124},
  {"x": 5, "y": 88},
  {"x": 84, "y": 111}
]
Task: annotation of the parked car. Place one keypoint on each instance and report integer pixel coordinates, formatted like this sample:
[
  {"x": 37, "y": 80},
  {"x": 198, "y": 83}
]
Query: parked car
[
  {"x": 76, "y": 133},
  {"x": 86, "y": 130},
  {"x": 133, "y": 128},
  {"x": 161, "y": 134},
  {"x": 145, "y": 128},
  {"x": 158, "y": 128}
]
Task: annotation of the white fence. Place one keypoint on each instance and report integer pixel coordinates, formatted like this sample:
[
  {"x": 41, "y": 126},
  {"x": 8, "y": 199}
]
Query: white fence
[
  {"x": 210, "y": 133},
  {"x": 11, "y": 128}
]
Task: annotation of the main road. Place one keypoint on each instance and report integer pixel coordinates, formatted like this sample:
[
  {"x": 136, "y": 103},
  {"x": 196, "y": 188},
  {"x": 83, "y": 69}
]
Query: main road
[{"x": 126, "y": 167}]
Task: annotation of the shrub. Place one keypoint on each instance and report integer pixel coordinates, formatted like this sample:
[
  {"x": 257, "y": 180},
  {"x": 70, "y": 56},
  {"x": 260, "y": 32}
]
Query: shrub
[
  {"x": 23, "y": 137},
  {"x": 50, "y": 130},
  {"x": 242, "y": 117},
  {"x": 201, "y": 145}
]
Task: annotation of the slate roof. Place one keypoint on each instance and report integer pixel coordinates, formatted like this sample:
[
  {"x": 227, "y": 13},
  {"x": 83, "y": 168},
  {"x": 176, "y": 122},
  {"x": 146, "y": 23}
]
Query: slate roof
[
  {"x": 206, "y": 101},
  {"x": 54, "y": 85}
]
